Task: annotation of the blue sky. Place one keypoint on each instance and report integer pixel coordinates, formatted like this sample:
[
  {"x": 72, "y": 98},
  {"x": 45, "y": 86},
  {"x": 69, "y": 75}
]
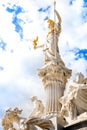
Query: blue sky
[{"x": 20, "y": 22}]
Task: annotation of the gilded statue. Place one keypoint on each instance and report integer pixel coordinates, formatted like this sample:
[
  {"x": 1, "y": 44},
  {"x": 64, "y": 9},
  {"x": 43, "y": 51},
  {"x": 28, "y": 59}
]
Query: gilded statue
[{"x": 50, "y": 47}]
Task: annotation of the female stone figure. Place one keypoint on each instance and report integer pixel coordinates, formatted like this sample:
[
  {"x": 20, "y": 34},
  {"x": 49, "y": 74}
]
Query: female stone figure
[
  {"x": 50, "y": 48},
  {"x": 39, "y": 108}
]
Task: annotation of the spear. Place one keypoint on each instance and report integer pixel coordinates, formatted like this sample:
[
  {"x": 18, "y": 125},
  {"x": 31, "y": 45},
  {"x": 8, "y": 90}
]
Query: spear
[{"x": 54, "y": 30}]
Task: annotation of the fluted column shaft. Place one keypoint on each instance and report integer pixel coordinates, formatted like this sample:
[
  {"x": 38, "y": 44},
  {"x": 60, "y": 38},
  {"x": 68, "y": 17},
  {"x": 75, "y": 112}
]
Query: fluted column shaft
[{"x": 53, "y": 92}]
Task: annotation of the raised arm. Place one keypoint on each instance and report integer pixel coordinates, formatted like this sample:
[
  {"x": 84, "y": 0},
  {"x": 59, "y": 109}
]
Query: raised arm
[{"x": 58, "y": 16}]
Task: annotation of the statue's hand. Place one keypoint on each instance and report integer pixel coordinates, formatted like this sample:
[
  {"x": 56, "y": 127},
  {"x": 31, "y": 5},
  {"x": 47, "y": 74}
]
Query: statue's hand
[{"x": 58, "y": 16}]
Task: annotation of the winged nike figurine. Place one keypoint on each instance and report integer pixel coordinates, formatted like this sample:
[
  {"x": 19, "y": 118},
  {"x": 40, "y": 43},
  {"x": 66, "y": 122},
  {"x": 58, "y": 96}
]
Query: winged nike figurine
[{"x": 35, "y": 42}]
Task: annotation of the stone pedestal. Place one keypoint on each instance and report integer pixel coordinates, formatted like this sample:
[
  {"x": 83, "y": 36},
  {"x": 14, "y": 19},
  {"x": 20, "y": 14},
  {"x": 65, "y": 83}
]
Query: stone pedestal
[
  {"x": 54, "y": 77},
  {"x": 52, "y": 93},
  {"x": 80, "y": 125},
  {"x": 56, "y": 123}
]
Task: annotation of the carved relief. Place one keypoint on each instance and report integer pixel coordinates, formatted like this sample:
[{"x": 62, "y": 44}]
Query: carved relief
[{"x": 74, "y": 102}]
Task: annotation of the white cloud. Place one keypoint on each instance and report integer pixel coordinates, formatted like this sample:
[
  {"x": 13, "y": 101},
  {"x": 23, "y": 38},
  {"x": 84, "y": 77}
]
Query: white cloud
[{"x": 73, "y": 29}]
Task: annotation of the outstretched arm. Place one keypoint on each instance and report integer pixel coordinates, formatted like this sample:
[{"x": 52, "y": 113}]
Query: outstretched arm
[{"x": 58, "y": 16}]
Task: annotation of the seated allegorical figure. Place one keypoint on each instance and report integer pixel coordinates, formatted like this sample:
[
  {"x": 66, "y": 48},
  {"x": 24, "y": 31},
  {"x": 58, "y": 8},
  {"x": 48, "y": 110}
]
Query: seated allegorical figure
[{"x": 38, "y": 111}]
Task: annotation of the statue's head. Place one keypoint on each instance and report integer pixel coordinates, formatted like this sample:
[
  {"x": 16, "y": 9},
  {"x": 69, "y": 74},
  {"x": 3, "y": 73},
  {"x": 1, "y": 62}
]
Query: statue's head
[
  {"x": 33, "y": 98},
  {"x": 50, "y": 22},
  {"x": 17, "y": 110}
]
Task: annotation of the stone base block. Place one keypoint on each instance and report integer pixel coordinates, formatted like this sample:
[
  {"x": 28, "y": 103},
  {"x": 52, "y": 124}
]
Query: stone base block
[
  {"x": 81, "y": 125},
  {"x": 56, "y": 123}
]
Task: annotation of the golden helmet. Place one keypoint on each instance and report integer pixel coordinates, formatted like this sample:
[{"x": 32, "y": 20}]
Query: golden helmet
[{"x": 50, "y": 21}]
